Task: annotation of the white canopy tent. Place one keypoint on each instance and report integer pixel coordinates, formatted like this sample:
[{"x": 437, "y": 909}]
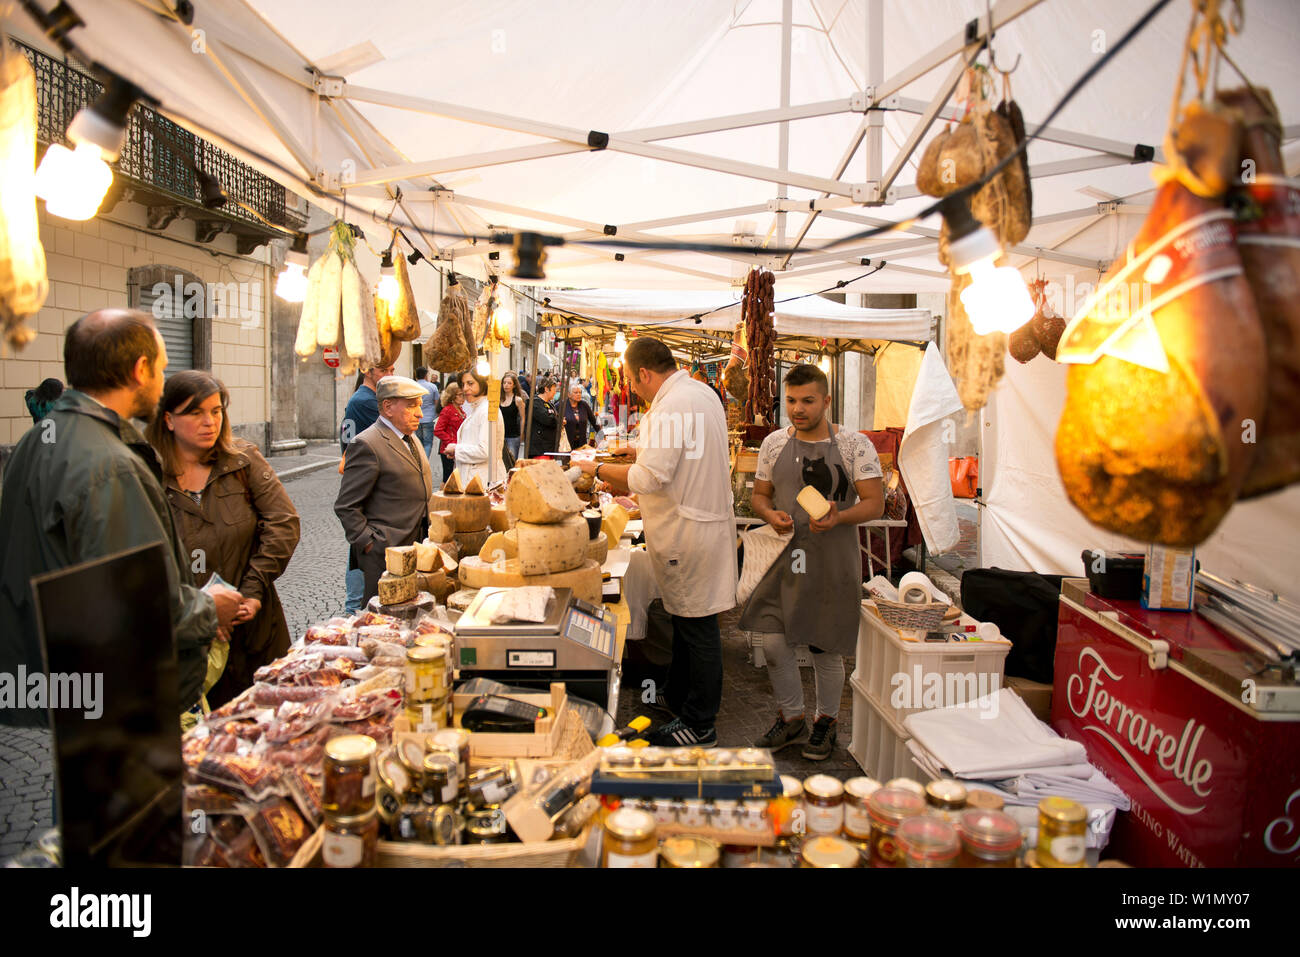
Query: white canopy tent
[{"x": 760, "y": 124}]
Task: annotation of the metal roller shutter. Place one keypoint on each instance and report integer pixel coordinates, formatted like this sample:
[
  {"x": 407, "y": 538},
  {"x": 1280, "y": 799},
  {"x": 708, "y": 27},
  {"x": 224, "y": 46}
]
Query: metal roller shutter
[{"x": 177, "y": 331}]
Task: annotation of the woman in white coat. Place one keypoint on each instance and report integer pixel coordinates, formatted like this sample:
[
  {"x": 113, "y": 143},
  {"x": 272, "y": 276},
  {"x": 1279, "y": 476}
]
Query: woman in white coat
[
  {"x": 471, "y": 448},
  {"x": 682, "y": 478}
]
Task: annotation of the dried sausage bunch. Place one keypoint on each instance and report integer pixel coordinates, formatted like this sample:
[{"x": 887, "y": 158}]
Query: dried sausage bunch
[{"x": 758, "y": 311}]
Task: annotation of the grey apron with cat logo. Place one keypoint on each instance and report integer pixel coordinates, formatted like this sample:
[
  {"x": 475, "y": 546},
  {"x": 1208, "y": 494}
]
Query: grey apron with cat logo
[{"x": 813, "y": 592}]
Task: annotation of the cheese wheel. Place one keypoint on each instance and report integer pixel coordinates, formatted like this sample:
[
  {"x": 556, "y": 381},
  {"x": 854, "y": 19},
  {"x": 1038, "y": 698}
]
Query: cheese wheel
[
  {"x": 474, "y": 486},
  {"x": 552, "y": 548},
  {"x": 813, "y": 502},
  {"x": 469, "y": 513},
  {"x": 395, "y": 589},
  {"x": 500, "y": 519},
  {"x": 427, "y": 557},
  {"x": 400, "y": 560},
  {"x": 471, "y": 543},
  {"x": 453, "y": 485},
  {"x": 542, "y": 495},
  {"x": 585, "y": 581},
  {"x": 441, "y": 526},
  {"x": 598, "y": 549},
  {"x": 499, "y": 547},
  {"x": 461, "y": 599},
  {"x": 614, "y": 522}
]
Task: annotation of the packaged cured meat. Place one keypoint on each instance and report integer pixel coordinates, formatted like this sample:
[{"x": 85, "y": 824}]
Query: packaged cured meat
[
  {"x": 305, "y": 791},
  {"x": 1150, "y": 443},
  {"x": 272, "y": 696},
  {"x": 337, "y": 651},
  {"x": 247, "y": 775},
  {"x": 1267, "y": 206},
  {"x": 209, "y": 800},
  {"x": 278, "y": 829}
]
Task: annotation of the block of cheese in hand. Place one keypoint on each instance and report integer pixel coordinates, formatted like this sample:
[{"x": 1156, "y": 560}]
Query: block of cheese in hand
[
  {"x": 813, "y": 502},
  {"x": 552, "y": 548},
  {"x": 541, "y": 495},
  {"x": 395, "y": 589},
  {"x": 427, "y": 557},
  {"x": 400, "y": 560},
  {"x": 442, "y": 526},
  {"x": 469, "y": 513},
  {"x": 584, "y": 580}
]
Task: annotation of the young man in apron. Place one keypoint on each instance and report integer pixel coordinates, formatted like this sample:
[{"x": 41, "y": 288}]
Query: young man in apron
[{"x": 812, "y": 593}]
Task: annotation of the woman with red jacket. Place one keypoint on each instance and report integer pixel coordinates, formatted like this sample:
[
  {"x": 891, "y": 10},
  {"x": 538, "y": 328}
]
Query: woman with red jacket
[{"x": 449, "y": 420}]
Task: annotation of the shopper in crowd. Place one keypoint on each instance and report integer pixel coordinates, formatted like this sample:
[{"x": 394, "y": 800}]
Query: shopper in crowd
[
  {"x": 579, "y": 419},
  {"x": 543, "y": 434},
  {"x": 358, "y": 415},
  {"x": 95, "y": 491},
  {"x": 428, "y": 409},
  {"x": 42, "y": 398},
  {"x": 231, "y": 510},
  {"x": 448, "y": 424},
  {"x": 512, "y": 412},
  {"x": 682, "y": 477},
  {"x": 815, "y": 601},
  {"x": 525, "y": 384},
  {"x": 387, "y": 488},
  {"x": 471, "y": 448}
]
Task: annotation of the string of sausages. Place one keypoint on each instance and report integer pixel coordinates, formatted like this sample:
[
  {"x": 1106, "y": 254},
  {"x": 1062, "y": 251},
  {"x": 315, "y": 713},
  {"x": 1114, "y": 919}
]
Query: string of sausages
[{"x": 758, "y": 311}]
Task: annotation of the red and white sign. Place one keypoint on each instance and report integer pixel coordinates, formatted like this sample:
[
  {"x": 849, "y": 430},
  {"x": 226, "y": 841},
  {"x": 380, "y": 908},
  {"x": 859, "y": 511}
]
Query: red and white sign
[
  {"x": 332, "y": 358},
  {"x": 1213, "y": 783}
]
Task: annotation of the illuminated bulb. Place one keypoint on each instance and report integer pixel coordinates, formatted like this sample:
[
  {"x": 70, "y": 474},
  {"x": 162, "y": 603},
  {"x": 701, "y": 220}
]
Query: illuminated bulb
[
  {"x": 620, "y": 342},
  {"x": 389, "y": 290},
  {"x": 997, "y": 299},
  {"x": 291, "y": 284},
  {"x": 73, "y": 183},
  {"x": 825, "y": 364},
  {"x": 483, "y": 368}
]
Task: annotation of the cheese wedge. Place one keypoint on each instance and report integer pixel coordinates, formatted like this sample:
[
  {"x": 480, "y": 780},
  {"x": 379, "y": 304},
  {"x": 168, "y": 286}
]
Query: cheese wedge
[
  {"x": 439, "y": 584},
  {"x": 499, "y": 547},
  {"x": 469, "y": 513},
  {"x": 500, "y": 519},
  {"x": 541, "y": 495},
  {"x": 614, "y": 522},
  {"x": 427, "y": 557},
  {"x": 461, "y": 600},
  {"x": 474, "y": 486},
  {"x": 453, "y": 484},
  {"x": 395, "y": 589},
  {"x": 552, "y": 548},
  {"x": 585, "y": 580},
  {"x": 813, "y": 502},
  {"x": 400, "y": 560},
  {"x": 442, "y": 525},
  {"x": 449, "y": 561}
]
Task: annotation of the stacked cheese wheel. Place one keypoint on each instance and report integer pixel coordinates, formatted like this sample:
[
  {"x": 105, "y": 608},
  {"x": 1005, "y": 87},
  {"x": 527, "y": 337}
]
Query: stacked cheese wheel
[
  {"x": 470, "y": 512},
  {"x": 549, "y": 543}
]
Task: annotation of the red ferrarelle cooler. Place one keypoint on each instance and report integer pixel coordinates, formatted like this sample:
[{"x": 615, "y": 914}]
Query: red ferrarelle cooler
[{"x": 1195, "y": 728}]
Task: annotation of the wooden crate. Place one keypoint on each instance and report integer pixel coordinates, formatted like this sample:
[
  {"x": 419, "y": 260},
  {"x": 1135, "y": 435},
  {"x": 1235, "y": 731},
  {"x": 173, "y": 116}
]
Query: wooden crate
[
  {"x": 558, "y": 853},
  {"x": 546, "y": 741}
]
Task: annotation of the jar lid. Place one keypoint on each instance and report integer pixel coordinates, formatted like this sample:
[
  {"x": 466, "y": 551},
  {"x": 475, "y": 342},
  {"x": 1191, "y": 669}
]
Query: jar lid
[
  {"x": 694, "y": 802},
  {"x": 689, "y": 756},
  {"x": 989, "y": 831},
  {"x": 823, "y": 786},
  {"x": 1063, "y": 810},
  {"x": 440, "y": 764},
  {"x": 689, "y": 851},
  {"x": 411, "y": 753},
  {"x": 435, "y": 639},
  {"x": 984, "y": 800},
  {"x": 861, "y": 788},
  {"x": 351, "y": 749},
  {"x": 721, "y": 756},
  {"x": 454, "y": 738},
  {"x": 752, "y": 756},
  {"x": 907, "y": 784},
  {"x": 946, "y": 794},
  {"x": 427, "y": 654},
  {"x": 628, "y": 824},
  {"x": 445, "y": 824},
  {"x": 620, "y": 756},
  {"x": 926, "y": 837},
  {"x": 350, "y": 820},
  {"x": 892, "y": 805},
  {"x": 791, "y": 786},
  {"x": 828, "y": 851},
  {"x": 392, "y": 773}
]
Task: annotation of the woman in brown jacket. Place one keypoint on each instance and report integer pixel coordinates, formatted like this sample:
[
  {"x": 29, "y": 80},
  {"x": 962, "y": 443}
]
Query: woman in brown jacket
[{"x": 233, "y": 516}]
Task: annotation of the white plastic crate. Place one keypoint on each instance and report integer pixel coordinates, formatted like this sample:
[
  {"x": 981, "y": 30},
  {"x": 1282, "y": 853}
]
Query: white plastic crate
[
  {"x": 879, "y": 744},
  {"x": 882, "y": 655}
]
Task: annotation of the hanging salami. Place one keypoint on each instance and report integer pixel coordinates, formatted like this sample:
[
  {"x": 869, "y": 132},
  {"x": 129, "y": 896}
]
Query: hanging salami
[{"x": 758, "y": 309}]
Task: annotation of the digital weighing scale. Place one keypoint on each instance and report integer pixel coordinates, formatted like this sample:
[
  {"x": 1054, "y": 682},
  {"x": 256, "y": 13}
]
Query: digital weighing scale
[{"x": 576, "y": 644}]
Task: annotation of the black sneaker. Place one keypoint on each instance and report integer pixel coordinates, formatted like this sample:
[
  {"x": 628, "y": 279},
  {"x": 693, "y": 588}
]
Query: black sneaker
[
  {"x": 678, "y": 734},
  {"x": 783, "y": 733},
  {"x": 659, "y": 706},
  {"x": 822, "y": 740}
]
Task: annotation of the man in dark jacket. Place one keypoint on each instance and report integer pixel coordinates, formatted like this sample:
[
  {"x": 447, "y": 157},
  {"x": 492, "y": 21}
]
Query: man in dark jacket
[
  {"x": 363, "y": 408},
  {"x": 543, "y": 434},
  {"x": 84, "y": 484}
]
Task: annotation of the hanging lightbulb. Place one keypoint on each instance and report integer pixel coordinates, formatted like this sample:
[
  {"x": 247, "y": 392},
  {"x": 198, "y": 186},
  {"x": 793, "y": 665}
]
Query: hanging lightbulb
[
  {"x": 389, "y": 290},
  {"x": 291, "y": 284},
  {"x": 997, "y": 299},
  {"x": 74, "y": 182},
  {"x": 483, "y": 368},
  {"x": 824, "y": 364},
  {"x": 620, "y": 342}
]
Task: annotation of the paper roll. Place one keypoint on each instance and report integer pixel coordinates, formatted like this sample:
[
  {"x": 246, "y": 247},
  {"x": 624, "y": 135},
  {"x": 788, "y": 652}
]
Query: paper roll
[
  {"x": 915, "y": 588},
  {"x": 988, "y": 631}
]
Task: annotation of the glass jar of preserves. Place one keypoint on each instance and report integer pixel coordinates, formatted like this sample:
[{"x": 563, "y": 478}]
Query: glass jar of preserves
[
  {"x": 455, "y": 741},
  {"x": 439, "y": 779},
  {"x": 652, "y": 757},
  {"x": 688, "y": 851},
  {"x": 890, "y": 807},
  {"x": 739, "y": 855},
  {"x": 721, "y": 757},
  {"x": 426, "y": 717},
  {"x": 826, "y": 850},
  {"x": 982, "y": 800},
  {"x": 753, "y": 816},
  {"x": 350, "y": 840},
  {"x": 348, "y": 775},
  {"x": 451, "y": 757},
  {"x": 426, "y": 674},
  {"x": 784, "y": 853},
  {"x": 486, "y": 826},
  {"x": 907, "y": 784},
  {"x": 726, "y": 815},
  {"x": 693, "y": 813},
  {"x": 988, "y": 838},
  {"x": 494, "y": 785},
  {"x": 1062, "y": 833},
  {"x": 629, "y": 840},
  {"x": 946, "y": 797},
  {"x": 823, "y": 804},
  {"x": 665, "y": 811},
  {"x": 620, "y": 757},
  {"x": 686, "y": 757},
  {"x": 928, "y": 840},
  {"x": 857, "y": 819},
  {"x": 439, "y": 824}
]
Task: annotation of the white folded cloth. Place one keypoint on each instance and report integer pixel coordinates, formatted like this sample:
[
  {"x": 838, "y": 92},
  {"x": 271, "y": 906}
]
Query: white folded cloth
[{"x": 992, "y": 740}]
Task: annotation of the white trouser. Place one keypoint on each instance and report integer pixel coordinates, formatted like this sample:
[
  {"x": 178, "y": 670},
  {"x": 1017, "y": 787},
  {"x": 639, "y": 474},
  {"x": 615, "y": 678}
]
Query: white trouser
[{"x": 787, "y": 686}]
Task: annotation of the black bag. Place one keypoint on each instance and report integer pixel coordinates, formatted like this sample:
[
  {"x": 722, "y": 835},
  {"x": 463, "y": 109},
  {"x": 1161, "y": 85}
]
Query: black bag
[{"x": 1024, "y": 607}]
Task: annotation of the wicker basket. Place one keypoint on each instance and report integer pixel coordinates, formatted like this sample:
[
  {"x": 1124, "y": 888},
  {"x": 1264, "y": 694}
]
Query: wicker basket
[{"x": 905, "y": 617}]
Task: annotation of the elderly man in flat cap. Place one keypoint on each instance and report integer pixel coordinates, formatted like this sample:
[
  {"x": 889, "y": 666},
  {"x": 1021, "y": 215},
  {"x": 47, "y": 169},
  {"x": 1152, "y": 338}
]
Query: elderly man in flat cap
[{"x": 385, "y": 495}]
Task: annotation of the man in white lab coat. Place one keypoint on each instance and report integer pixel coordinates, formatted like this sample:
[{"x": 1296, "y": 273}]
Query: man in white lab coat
[{"x": 682, "y": 479}]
